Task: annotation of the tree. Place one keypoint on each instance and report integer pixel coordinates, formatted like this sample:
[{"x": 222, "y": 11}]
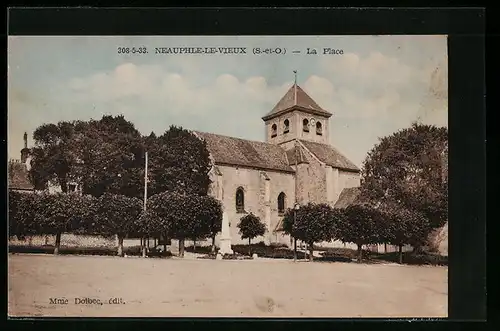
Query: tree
[
  {"x": 250, "y": 227},
  {"x": 23, "y": 214},
  {"x": 116, "y": 215},
  {"x": 179, "y": 161},
  {"x": 313, "y": 223},
  {"x": 61, "y": 212},
  {"x": 54, "y": 155},
  {"x": 403, "y": 226},
  {"x": 209, "y": 219},
  {"x": 361, "y": 224},
  {"x": 105, "y": 155},
  {"x": 407, "y": 168},
  {"x": 111, "y": 156},
  {"x": 180, "y": 216}
]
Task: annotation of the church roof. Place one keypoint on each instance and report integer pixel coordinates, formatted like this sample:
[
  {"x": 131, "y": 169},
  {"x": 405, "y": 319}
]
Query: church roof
[
  {"x": 329, "y": 155},
  {"x": 18, "y": 176},
  {"x": 296, "y": 153},
  {"x": 347, "y": 197},
  {"x": 302, "y": 101},
  {"x": 241, "y": 152}
]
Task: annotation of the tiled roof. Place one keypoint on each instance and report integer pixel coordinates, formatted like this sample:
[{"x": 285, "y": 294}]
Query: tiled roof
[
  {"x": 302, "y": 101},
  {"x": 347, "y": 197},
  {"x": 18, "y": 176},
  {"x": 330, "y": 155},
  {"x": 241, "y": 152},
  {"x": 296, "y": 153}
]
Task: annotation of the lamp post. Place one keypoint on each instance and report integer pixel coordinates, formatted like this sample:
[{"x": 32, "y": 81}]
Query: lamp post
[{"x": 295, "y": 208}]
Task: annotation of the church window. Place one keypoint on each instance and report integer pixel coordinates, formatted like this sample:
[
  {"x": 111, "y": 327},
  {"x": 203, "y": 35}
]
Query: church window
[
  {"x": 274, "y": 130},
  {"x": 319, "y": 129},
  {"x": 305, "y": 125},
  {"x": 240, "y": 200},
  {"x": 281, "y": 203},
  {"x": 287, "y": 126}
]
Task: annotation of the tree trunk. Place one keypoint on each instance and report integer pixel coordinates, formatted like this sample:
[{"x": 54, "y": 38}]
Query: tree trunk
[
  {"x": 165, "y": 244},
  {"x": 385, "y": 248},
  {"x": 30, "y": 240},
  {"x": 120, "y": 245},
  {"x": 194, "y": 245},
  {"x": 144, "y": 247},
  {"x": 400, "y": 248},
  {"x": 360, "y": 253},
  {"x": 46, "y": 240},
  {"x": 58, "y": 243},
  {"x": 181, "y": 247},
  {"x": 294, "y": 249},
  {"x": 311, "y": 250},
  {"x": 213, "y": 244},
  {"x": 64, "y": 185},
  {"x": 249, "y": 248}
]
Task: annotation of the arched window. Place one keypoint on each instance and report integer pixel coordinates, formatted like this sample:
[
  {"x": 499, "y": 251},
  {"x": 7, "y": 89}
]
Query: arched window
[
  {"x": 274, "y": 130},
  {"x": 287, "y": 126},
  {"x": 305, "y": 125},
  {"x": 240, "y": 200},
  {"x": 319, "y": 129},
  {"x": 281, "y": 203}
]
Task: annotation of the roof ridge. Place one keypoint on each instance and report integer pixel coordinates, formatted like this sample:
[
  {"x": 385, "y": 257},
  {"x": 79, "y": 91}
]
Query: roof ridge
[{"x": 238, "y": 138}]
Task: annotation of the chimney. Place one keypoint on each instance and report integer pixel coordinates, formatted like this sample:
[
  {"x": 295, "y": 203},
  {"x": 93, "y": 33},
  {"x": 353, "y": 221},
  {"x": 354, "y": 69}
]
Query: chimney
[{"x": 25, "y": 151}]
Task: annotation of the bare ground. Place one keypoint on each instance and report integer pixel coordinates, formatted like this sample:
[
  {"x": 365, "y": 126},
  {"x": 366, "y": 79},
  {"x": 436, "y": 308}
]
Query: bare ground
[{"x": 227, "y": 288}]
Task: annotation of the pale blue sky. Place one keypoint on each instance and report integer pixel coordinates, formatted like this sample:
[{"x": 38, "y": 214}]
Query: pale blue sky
[{"x": 379, "y": 85}]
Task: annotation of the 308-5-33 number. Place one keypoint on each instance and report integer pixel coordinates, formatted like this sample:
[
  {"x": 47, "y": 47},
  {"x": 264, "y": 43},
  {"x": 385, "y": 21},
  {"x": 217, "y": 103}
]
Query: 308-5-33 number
[{"x": 132, "y": 50}]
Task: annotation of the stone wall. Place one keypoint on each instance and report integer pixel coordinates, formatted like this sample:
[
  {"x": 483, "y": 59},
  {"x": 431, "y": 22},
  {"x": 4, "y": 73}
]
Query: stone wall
[
  {"x": 311, "y": 177},
  {"x": 253, "y": 182}
]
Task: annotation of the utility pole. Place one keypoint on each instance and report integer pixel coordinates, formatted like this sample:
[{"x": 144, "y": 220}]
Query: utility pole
[
  {"x": 296, "y": 205},
  {"x": 145, "y": 196}
]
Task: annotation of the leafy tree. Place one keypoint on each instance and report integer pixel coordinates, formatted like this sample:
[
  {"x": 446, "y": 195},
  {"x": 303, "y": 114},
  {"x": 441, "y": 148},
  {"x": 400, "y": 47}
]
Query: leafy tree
[
  {"x": 61, "y": 212},
  {"x": 179, "y": 161},
  {"x": 23, "y": 214},
  {"x": 409, "y": 168},
  {"x": 361, "y": 224},
  {"x": 180, "y": 216},
  {"x": 250, "y": 227},
  {"x": 116, "y": 215},
  {"x": 313, "y": 223},
  {"x": 209, "y": 219},
  {"x": 105, "y": 155},
  {"x": 111, "y": 157},
  {"x": 53, "y": 156},
  {"x": 403, "y": 226}
]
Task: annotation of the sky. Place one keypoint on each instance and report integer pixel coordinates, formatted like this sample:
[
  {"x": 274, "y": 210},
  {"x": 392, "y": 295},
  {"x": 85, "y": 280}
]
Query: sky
[{"x": 377, "y": 86}]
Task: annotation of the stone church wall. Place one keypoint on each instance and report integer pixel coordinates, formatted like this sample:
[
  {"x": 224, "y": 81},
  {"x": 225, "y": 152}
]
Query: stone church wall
[
  {"x": 253, "y": 183},
  {"x": 348, "y": 179},
  {"x": 311, "y": 181}
]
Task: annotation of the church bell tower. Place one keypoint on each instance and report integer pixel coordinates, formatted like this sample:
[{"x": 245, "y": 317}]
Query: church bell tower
[{"x": 297, "y": 116}]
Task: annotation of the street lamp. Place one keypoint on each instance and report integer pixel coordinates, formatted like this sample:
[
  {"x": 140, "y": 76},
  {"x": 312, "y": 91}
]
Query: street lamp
[{"x": 295, "y": 208}]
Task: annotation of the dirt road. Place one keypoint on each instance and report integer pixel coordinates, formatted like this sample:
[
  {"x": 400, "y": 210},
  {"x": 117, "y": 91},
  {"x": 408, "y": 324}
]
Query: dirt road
[{"x": 45, "y": 285}]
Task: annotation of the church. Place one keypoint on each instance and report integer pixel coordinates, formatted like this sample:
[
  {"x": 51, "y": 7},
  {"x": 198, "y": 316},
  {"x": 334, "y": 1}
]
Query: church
[{"x": 295, "y": 165}]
